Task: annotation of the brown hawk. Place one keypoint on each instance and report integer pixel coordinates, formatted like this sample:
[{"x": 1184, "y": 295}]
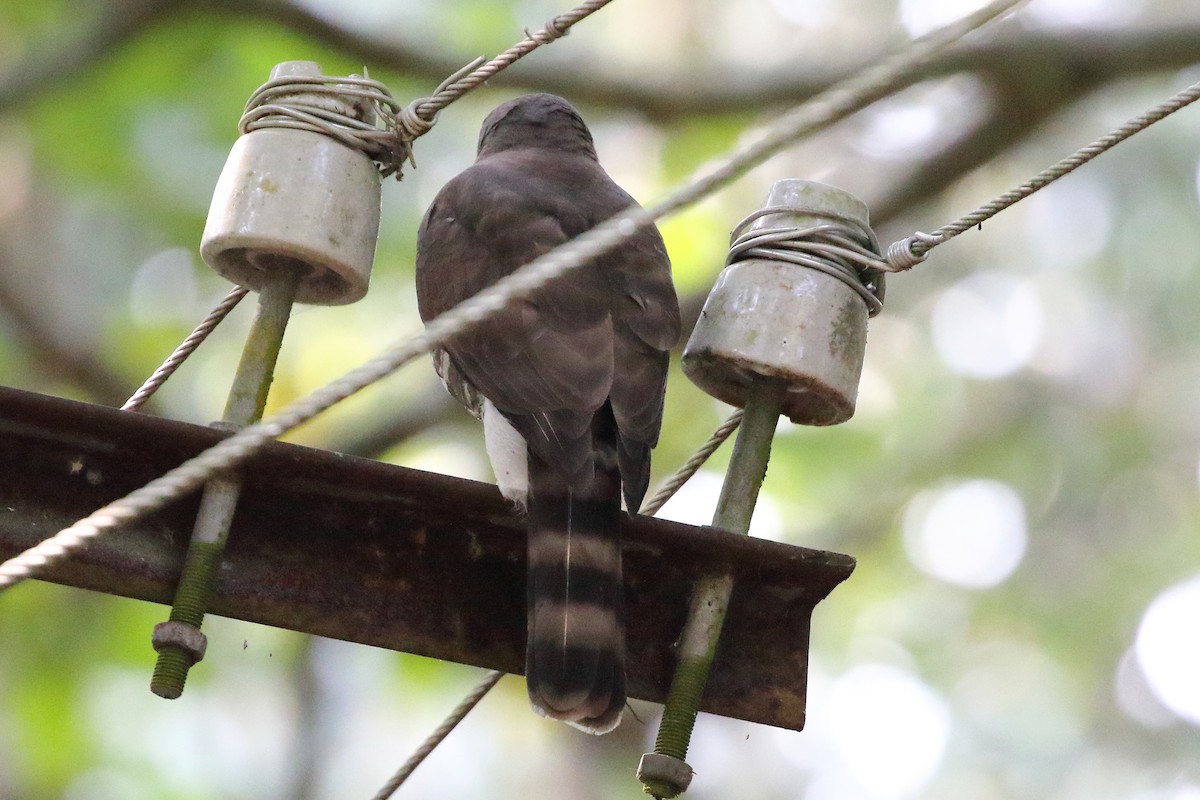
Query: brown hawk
[{"x": 569, "y": 382}]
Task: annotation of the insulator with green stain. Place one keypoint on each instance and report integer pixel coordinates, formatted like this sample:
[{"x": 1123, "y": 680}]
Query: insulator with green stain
[{"x": 791, "y": 307}]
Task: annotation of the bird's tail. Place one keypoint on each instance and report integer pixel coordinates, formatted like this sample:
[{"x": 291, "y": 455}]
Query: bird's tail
[{"x": 575, "y": 658}]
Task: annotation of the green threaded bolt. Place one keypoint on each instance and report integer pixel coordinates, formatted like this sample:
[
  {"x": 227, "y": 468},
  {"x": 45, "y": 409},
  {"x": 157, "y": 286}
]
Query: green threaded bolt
[
  {"x": 667, "y": 775},
  {"x": 191, "y": 601},
  {"x": 675, "y": 730},
  {"x": 196, "y": 582},
  {"x": 179, "y": 649},
  {"x": 664, "y": 773},
  {"x": 170, "y": 672}
]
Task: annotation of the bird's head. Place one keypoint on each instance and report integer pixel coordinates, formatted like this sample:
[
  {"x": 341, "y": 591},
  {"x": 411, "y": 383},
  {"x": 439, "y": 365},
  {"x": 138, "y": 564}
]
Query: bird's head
[{"x": 535, "y": 120}]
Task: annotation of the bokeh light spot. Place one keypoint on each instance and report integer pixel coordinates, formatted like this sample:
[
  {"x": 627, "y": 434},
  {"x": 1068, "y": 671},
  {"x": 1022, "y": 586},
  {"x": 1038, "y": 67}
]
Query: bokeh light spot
[
  {"x": 1168, "y": 649},
  {"x": 164, "y": 288},
  {"x": 894, "y": 130},
  {"x": 1083, "y": 13},
  {"x": 1136, "y": 698},
  {"x": 889, "y": 727},
  {"x": 988, "y": 325},
  {"x": 696, "y": 501},
  {"x": 971, "y": 534}
]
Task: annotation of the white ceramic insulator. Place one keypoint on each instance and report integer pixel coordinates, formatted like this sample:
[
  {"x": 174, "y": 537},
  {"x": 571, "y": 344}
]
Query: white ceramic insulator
[
  {"x": 295, "y": 197},
  {"x": 772, "y": 319}
]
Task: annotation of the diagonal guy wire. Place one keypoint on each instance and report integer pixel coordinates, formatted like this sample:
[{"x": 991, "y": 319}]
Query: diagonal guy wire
[
  {"x": 185, "y": 349},
  {"x": 418, "y": 117},
  {"x": 414, "y": 120},
  {"x": 817, "y": 114},
  {"x": 652, "y": 506},
  {"x": 689, "y": 468},
  {"x": 434, "y": 739},
  {"x": 906, "y": 253}
]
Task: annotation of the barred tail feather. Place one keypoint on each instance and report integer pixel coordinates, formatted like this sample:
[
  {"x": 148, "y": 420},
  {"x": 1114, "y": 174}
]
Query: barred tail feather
[{"x": 575, "y": 660}]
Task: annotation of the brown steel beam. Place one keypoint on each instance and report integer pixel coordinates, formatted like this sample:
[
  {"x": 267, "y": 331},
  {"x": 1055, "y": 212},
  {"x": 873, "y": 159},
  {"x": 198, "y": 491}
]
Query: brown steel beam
[{"x": 374, "y": 553}]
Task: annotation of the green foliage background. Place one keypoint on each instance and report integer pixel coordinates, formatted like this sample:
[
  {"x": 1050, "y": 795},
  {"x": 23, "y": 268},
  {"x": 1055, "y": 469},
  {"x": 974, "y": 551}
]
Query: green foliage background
[{"x": 115, "y": 119}]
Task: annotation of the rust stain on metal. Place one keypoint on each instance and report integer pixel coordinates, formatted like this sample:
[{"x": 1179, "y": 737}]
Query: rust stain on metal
[{"x": 367, "y": 552}]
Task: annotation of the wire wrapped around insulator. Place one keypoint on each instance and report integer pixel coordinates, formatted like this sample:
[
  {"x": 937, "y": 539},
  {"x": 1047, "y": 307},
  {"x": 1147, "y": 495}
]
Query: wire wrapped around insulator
[
  {"x": 847, "y": 252},
  {"x": 349, "y": 109}
]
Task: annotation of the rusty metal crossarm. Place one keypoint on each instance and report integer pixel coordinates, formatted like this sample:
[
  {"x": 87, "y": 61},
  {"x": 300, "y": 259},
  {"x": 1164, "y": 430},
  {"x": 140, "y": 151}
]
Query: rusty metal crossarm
[{"x": 367, "y": 552}]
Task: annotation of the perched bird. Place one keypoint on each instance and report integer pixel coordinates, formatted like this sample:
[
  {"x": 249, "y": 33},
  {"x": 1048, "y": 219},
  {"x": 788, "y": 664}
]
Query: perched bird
[{"x": 569, "y": 382}]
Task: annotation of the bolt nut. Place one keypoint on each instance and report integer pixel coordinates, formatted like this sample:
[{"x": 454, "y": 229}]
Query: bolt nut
[
  {"x": 664, "y": 769},
  {"x": 185, "y": 637}
]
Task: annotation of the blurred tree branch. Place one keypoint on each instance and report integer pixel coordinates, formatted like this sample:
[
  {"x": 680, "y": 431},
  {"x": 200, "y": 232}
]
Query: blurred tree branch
[
  {"x": 36, "y": 333},
  {"x": 78, "y": 47},
  {"x": 1016, "y": 111},
  {"x": 433, "y": 406},
  {"x": 1010, "y": 59},
  {"x": 307, "y": 753}
]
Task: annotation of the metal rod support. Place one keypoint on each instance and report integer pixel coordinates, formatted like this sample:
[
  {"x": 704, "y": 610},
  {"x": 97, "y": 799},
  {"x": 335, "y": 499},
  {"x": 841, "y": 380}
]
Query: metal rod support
[
  {"x": 247, "y": 399},
  {"x": 664, "y": 774},
  {"x": 248, "y": 395}
]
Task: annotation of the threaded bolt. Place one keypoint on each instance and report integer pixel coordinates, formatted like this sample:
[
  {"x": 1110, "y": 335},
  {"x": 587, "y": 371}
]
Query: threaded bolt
[
  {"x": 170, "y": 672},
  {"x": 664, "y": 773},
  {"x": 682, "y": 706},
  {"x": 179, "y": 642},
  {"x": 177, "y": 648}
]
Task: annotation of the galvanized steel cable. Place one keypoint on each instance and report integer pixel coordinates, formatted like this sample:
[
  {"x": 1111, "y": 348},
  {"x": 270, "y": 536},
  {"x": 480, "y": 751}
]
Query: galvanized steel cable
[
  {"x": 909, "y": 252},
  {"x": 185, "y": 349},
  {"x": 668, "y": 488},
  {"x": 812, "y": 116},
  {"x": 388, "y": 147},
  {"x": 689, "y": 468},
  {"x": 441, "y": 732},
  {"x": 419, "y": 116},
  {"x": 665, "y": 492}
]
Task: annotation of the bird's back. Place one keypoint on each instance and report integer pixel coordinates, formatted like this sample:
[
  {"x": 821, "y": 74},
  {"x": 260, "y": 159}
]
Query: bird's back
[{"x": 575, "y": 372}]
